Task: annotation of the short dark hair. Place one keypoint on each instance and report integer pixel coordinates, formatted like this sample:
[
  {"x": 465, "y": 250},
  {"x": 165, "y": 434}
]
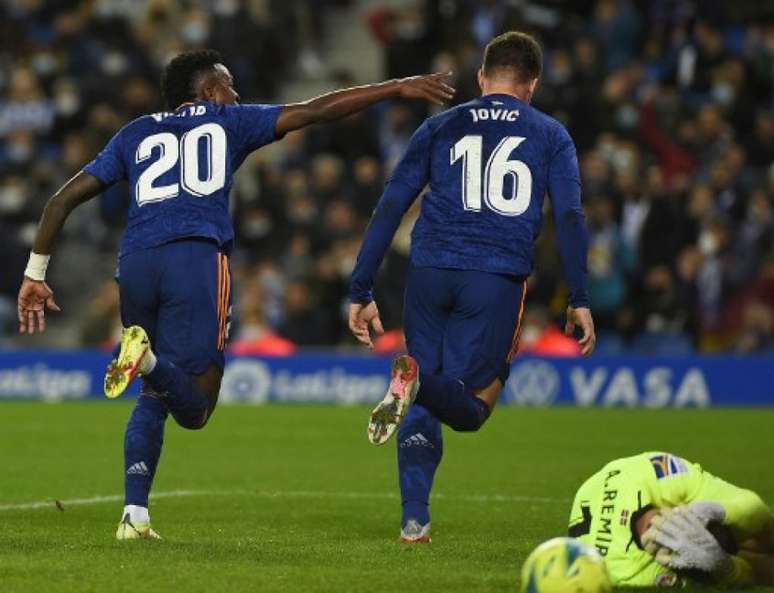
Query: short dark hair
[
  {"x": 177, "y": 80},
  {"x": 518, "y": 52}
]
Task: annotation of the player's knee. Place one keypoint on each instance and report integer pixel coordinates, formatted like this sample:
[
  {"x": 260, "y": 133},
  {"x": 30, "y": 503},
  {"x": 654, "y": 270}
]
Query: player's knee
[
  {"x": 209, "y": 384},
  {"x": 473, "y": 422},
  {"x": 193, "y": 422}
]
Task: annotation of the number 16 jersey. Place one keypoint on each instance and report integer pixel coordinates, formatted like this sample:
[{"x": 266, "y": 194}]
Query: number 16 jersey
[
  {"x": 180, "y": 168},
  {"x": 488, "y": 164}
]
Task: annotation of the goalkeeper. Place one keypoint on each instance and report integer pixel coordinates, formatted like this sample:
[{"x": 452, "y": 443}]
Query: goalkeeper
[{"x": 661, "y": 520}]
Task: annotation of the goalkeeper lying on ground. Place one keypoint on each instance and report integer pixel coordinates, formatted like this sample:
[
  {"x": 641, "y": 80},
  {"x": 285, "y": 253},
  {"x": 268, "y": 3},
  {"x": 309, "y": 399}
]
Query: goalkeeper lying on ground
[{"x": 661, "y": 520}]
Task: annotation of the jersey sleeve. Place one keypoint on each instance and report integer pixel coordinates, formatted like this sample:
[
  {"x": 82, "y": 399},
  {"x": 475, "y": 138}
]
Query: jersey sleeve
[
  {"x": 109, "y": 166},
  {"x": 407, "y": 181},
  {"x": 681, "y": 482},
  {"x": 746, "y": 514},
  {"x": 413, "y": 170},
  {"x": 564, "y": 190},
  {"x": 256, "y": 125}
]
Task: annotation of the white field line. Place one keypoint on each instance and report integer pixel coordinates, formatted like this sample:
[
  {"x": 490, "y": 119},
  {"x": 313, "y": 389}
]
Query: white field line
[{"x": 482, "y": 498}]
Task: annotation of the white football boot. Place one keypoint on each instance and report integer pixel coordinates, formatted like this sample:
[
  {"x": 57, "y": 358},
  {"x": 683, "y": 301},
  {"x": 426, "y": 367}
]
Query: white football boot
[
  {"x": 414, "y": 533},
  {"x": 128, "y": 530},
  {"x": 387, "y": 416}
]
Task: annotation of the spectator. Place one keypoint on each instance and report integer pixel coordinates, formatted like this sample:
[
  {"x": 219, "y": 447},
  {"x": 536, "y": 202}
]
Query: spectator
[{"x": 672, "y": 118}]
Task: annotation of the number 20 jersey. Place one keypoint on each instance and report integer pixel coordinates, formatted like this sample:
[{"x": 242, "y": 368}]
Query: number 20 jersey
[
  {"x": 488, "y": 164},
  {"x": 180, "y": 168}
]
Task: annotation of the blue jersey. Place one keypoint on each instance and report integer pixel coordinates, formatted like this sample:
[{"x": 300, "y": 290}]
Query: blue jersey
[
  {"x": 487, "y": 165},
  {"x": 180, "y": 167}
]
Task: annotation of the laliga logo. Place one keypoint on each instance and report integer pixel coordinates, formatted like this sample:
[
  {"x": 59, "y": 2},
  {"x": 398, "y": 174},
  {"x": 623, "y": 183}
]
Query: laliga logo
[
  {"x": 533, "y": 383},
  {"x": 246, "y": 381}
]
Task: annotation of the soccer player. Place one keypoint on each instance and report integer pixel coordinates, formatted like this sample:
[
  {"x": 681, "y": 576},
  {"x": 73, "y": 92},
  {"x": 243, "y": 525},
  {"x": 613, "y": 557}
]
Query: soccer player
[
  {"x": 174, "y": 276},
  {"x": 660, "y": 520},
  {"x": 488, "y": 164}
]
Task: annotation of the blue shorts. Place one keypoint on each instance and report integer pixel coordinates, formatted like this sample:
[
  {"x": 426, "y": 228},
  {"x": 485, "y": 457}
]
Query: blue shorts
[
  {"x": 180, "y": 294},
  {"x": 463, "y": 323}
]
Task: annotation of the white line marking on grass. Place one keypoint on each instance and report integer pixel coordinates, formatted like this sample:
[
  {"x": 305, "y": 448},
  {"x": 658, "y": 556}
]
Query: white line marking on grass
[
  {"x": 483, "y": 498},
  {"x": 394, "y": 495},
  {"x": 52, "y": 502}
]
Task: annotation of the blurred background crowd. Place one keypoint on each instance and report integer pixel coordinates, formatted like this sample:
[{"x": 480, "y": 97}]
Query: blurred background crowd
[{"x": 672, "y": 113}]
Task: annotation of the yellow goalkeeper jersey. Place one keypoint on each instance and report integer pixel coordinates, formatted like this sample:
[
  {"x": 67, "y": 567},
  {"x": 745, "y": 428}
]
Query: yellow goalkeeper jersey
[{"x": 607, "y": 505}]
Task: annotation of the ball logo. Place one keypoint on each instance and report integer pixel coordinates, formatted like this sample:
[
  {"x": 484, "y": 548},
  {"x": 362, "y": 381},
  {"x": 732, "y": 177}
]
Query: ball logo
[
  {"x": 246, "y": 381},
  {"x": 533, "y": 383}
]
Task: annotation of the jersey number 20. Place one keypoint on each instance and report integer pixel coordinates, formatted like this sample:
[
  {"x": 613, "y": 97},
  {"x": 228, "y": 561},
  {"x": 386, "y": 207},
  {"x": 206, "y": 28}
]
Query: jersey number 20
[
  {"x": 498, "y": 167},
  {"x": 186, "y": 151}
]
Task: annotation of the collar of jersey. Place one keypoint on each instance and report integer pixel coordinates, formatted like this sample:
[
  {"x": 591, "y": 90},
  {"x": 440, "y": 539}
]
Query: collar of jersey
[{"x": 502, "y": 96}]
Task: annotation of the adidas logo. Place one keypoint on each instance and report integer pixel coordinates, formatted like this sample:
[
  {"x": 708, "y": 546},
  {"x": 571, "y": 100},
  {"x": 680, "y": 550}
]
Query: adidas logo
[
  {"x": 139, "y": 468},
  {"x": 417, "y": 440}
]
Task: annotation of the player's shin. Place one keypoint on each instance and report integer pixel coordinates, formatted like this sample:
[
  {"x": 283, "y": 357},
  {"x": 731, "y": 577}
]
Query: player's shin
[
  {"x": 142, "y": 448},
  {"x": 420, "y": 448},
  {"x": 452, "y": 402},
  {"x": 187, "y": 403}
]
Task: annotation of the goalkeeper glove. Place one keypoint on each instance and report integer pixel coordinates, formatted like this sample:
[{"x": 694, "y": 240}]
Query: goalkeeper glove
[{"x": 679, "y": 539}]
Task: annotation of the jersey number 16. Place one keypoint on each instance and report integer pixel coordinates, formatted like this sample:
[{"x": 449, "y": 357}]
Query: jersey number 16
[{"x": 498, "y": 167}]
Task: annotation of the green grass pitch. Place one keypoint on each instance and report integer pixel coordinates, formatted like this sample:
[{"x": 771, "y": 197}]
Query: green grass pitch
[{"x": 294, "y": 499}]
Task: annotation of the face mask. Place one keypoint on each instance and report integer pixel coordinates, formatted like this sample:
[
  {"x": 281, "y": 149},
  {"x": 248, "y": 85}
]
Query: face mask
[
  {"x": 19, "y": 153},
  {"x": 43, "y": 63},
  {"x": 194, "y": 33},
  {"x": 724, "y": 93},
  {"x": 346, "y": 265},
  {"x": 257, "y": 228},
  {"x": 225, "y": 8},
  {"x": 114, "y": 63},
  {"x": 627, "y": 117},
  {"x": 11, "y": 199},
  {"x": 67, "y": 103},
  {"x": 708, "y": 244}
]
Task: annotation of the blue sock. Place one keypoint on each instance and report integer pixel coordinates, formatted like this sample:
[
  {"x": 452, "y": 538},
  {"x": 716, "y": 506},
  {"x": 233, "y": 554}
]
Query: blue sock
[
  {"x": 142, "y": 448},
  {"x": 187, "y": 403},
  {"x": 452, "y": 402},
  {"x": 420, "y": 448}
]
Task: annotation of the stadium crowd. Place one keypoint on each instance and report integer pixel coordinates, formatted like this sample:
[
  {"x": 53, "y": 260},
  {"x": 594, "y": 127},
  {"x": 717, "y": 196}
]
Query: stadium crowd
[{"x": 672, "y": 113}]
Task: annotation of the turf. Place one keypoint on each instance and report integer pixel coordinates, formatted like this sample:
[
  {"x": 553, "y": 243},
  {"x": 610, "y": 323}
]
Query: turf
[{"x": 293, "y": 498}]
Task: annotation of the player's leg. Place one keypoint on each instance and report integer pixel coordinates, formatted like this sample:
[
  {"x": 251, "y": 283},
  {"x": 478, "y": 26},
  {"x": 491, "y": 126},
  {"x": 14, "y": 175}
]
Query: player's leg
[
  {"x": 420, "y": 440},
  {"x": 420, "y": 450},
  {"x": 186, "y": 286},
  {"x": 192, "y": 329},
  {"x": 481, "y": 334},
  {"x": 144, "y": 434}
]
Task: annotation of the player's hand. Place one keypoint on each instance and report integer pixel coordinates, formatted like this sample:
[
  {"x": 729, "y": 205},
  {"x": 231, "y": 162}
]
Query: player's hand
[
  {"x": 682, "y": 542},
  {"x": 360, "y": 318},
  {"x": 708, "y": 512},
  {"x": 34, "y": 298},
  {"x": 581, "y": 317},
  {"x": 430, "y": 87}
]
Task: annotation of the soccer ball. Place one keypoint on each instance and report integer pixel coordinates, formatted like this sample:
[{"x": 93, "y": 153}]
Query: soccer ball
[{"x": 565, "y": 565}]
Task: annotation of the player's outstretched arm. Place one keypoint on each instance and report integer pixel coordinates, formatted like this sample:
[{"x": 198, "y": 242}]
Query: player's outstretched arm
[
  {"x": 35, "y": 295},
  {"x": 338, "y": 104}
]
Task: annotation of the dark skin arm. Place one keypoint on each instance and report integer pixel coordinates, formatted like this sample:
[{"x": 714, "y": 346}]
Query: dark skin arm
[
  {"x": 338, "y": 104},
  {"x": 35, "y": 297}
]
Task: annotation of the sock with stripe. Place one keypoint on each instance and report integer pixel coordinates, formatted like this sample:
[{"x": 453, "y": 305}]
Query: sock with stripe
[
  {"x": 452, "y": 402},
  {"x": 187, "y": 403},
  {"x": 420, "y": 448},
  {"x": 142, "y": 447}
]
